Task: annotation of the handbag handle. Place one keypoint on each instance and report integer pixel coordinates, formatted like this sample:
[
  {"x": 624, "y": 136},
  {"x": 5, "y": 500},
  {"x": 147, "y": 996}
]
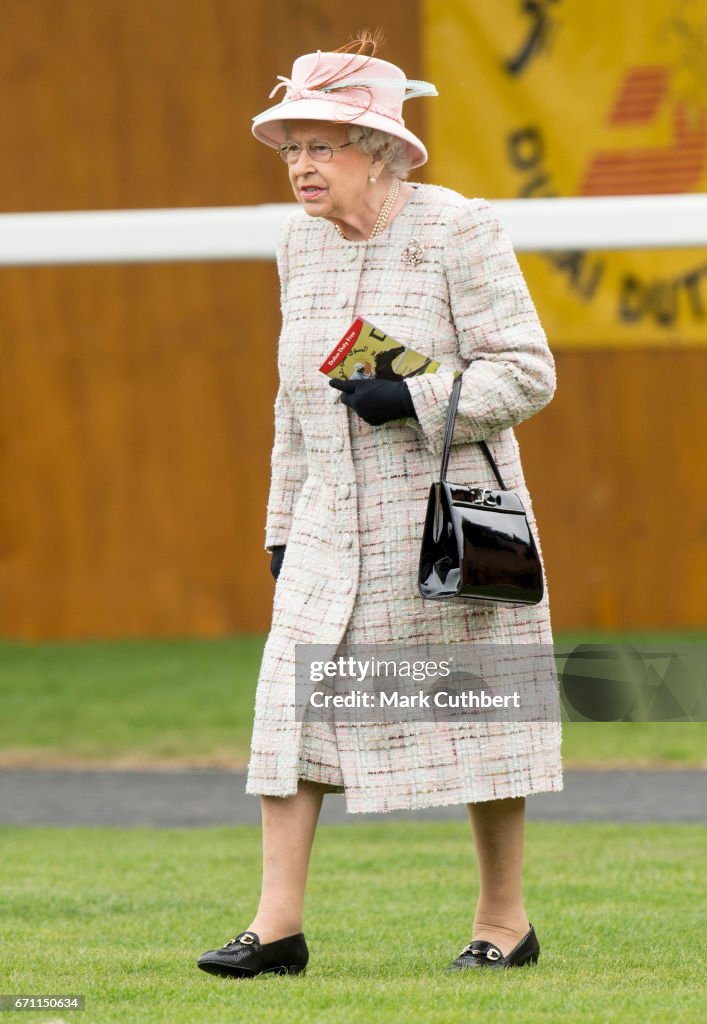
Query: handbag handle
[{"x": 449, "y": 430}]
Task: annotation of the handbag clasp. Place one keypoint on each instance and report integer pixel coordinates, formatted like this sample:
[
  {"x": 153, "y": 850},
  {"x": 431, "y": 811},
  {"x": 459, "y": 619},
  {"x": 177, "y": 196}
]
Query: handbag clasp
[{"x": 483, "y": 496}]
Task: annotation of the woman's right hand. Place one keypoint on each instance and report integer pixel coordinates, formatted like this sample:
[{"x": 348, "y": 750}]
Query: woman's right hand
[{"x": 278, "y": 553}]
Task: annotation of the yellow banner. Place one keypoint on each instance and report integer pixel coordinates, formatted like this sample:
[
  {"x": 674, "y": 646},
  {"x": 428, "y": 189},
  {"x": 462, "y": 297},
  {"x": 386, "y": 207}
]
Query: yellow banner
[{"x": 569, "y": 98}]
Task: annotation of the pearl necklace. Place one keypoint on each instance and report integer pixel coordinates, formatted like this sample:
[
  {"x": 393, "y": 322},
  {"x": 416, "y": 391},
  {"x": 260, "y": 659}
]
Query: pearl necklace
[{"x": 384, "y": 212}]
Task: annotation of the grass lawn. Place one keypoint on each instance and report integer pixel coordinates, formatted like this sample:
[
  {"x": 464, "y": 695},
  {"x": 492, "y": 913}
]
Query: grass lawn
[
  {"x": 166, "y": 702},
  {"x": 121, "y": 916}
]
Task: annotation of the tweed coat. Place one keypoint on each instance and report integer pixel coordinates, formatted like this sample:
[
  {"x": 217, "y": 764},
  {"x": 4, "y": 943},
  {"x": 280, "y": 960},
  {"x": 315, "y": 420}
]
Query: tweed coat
[{"x": 349, "y": 499}]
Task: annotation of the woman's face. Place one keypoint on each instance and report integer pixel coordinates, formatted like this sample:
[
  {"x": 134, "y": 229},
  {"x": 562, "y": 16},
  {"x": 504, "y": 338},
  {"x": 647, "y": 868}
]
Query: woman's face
[{"x": 338, "y": 186}]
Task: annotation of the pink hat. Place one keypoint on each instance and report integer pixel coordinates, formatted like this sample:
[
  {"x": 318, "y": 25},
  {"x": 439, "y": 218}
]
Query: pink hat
[{"x": 348, "y": 88}]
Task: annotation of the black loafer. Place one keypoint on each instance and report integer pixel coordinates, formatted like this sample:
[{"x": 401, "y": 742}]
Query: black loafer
[
  {"x": 480, "y": 953},
  {"x": 245, "y": 956}
]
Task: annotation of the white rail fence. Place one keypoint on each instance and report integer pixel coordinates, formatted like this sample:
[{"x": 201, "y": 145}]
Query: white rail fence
[{"x": 250, "y": 232}]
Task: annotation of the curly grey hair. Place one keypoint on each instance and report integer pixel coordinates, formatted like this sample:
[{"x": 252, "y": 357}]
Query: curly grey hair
[{"x": 382, "y": 146}]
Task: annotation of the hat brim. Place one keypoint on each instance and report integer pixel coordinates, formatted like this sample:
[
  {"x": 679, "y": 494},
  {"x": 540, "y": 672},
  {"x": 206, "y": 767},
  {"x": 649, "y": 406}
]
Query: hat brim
[{"x": 269, "y": 127}]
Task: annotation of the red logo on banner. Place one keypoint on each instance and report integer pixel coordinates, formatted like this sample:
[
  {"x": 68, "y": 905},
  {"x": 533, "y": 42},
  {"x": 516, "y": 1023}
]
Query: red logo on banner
[{"x": 677, "y": 167}]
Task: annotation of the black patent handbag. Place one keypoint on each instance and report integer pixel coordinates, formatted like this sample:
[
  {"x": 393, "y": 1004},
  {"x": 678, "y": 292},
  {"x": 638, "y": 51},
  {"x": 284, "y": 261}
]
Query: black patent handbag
[{"x": 477, "y": 543}]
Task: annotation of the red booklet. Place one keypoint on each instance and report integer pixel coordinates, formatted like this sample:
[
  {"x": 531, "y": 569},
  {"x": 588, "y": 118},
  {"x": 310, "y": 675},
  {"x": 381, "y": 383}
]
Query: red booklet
[{"x": 366, "y": 352}]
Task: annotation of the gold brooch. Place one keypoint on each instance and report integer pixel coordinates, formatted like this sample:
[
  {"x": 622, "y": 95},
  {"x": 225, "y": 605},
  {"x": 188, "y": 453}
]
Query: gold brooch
[{"x": 413, "y": 253}]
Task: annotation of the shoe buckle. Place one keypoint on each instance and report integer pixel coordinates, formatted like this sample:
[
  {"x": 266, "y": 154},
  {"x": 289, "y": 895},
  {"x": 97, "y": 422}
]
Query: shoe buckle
[
  {"x": 490, "y": 954},
  {"x": 247, "y": 938}
]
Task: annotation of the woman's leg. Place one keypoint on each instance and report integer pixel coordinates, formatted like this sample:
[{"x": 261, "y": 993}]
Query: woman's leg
[
  {"x": 289, "y": 824},
  {"x": 498, "y": 828}
]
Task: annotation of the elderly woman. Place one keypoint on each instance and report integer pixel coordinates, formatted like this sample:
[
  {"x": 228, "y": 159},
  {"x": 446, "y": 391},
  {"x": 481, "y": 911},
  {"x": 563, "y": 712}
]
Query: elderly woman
[{"x": 352, "y": 464}]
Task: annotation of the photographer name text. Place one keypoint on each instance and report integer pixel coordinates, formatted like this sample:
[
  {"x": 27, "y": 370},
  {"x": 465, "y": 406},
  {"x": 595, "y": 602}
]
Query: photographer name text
[{"x": 440, "y": 699}]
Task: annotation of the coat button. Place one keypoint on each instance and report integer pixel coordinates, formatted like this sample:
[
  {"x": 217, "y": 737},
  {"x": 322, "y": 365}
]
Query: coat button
[
  {"x": 346, "y": 585},
  {"x": 337, "y": 444},
  {"x": 344, "y": 490},
  {"x": 341, "y": 299},
  {"x": 353, "y": 253},
  {"x": 347, "y": 540}
]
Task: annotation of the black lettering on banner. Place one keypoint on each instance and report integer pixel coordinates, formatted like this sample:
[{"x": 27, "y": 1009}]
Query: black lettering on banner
[
  {"x": 526, "y": 150},
  {"x": 661, "y": 301},
  {"x": 692, "y": 287},
  {"x": 542, "y": 26},
  {"x": 584, "y": 273}
]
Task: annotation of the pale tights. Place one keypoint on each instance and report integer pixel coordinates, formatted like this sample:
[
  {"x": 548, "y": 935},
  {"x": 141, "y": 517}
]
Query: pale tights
[{"x": 289, "y": 824}]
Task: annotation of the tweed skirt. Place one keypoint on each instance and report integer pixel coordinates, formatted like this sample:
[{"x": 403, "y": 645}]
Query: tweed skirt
[
  {"x": 382, "y": 767},
  {"x": 430, "y": 764}
]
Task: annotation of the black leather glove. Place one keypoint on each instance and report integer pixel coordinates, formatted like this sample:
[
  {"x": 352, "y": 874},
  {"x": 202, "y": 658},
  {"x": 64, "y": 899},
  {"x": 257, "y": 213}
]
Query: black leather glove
[
  {"x": 278, "y": 553},
  {"x": 376, "y": 401}
]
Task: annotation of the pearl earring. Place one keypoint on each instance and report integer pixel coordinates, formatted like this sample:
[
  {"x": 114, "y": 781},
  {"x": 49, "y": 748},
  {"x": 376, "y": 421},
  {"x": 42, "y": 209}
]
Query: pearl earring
[{"x": 373, "y": 180}]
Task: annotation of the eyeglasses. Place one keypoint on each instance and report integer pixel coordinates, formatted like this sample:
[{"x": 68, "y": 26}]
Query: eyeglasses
[{"x": 318, "y": 151}]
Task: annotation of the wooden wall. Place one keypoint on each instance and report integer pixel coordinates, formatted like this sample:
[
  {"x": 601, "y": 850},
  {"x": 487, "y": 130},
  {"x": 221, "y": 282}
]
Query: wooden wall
[
  {"x": 615, "y": 465},
  {"x": 134, "y": 462}
]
